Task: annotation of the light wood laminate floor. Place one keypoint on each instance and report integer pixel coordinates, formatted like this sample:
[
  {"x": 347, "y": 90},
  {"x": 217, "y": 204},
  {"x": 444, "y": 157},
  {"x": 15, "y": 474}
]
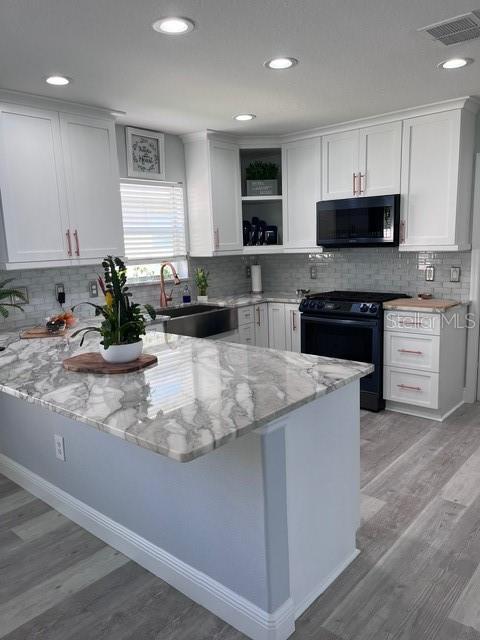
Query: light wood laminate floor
[{"x": 417, "y": 577}]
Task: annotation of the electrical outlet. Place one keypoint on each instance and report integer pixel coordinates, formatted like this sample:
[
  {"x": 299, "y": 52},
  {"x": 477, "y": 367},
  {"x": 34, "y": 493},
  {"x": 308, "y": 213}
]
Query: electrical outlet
[
  {"x": 60, "y": 293},
  {"x": 93, "y": 289},
  {"x": 455, "y": 274},
  {"x": 248, "y": 271},
  {"x": 430, "y": 273},
  {"x": 313, "y": 273},
  {"x": 59, "y": 447},
  {"x": 17, "y": 300}
]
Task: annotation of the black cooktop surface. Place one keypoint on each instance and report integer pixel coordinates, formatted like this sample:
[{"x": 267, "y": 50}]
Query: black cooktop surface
[{"x": 354, "y": 296}]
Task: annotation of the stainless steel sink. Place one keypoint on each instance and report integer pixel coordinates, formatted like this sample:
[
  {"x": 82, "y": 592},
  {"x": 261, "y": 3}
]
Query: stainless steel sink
[{"x": 196, "y": 320}]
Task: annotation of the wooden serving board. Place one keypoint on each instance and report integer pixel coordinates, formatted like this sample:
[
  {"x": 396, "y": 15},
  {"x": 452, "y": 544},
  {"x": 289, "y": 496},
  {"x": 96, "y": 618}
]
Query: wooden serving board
[
  {"x": 94, "y": 363},
  {"x": 41, "y": 332},
  {"x": 418, "y": 303}
]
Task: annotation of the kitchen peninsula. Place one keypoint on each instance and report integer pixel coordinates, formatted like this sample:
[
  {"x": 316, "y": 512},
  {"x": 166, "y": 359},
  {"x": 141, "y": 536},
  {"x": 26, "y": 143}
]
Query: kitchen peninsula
[{"x": 254, "y": 527}]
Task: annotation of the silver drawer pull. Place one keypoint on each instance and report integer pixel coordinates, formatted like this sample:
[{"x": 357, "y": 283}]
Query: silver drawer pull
[
  {"x": 417, "y": 353},
  {"x": 408, "y": 387}
]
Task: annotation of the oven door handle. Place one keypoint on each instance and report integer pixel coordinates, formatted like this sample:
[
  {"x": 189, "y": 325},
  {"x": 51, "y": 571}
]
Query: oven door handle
[{"x": 370, "y": 324}]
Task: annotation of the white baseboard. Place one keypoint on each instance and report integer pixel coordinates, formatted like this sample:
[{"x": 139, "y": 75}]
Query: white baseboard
[
  {"x": 419, "y": 412},
  {"x": 319, "y": 589},
  {"x": 239, "y": 612}
]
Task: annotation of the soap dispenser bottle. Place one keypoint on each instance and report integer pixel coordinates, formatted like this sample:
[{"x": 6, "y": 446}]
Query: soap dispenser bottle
[{"x": 186, "y": 295}]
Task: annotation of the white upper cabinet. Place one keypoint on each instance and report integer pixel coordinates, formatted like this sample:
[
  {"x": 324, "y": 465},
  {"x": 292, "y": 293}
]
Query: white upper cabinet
[
  {"x": 362, "y": 162},
  {"x": 302, "y": 179},
  {"x": 32, "y": 187},
  {"x": 214, "y": 195},
  {"x": 340, "y": 165},
  {"x": 436, "y": 186},
  {"x": 380, "y": 157},
  {"x": 93, "y": 187},
  {"x": 59, "y": 188}
]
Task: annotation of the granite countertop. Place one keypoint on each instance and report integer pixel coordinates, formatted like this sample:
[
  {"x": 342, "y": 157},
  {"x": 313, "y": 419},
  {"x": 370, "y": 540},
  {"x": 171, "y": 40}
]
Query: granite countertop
[
  {"x": 200, "y": 395},
  {"x": 246, "y": 299},
  {"x": 433, "y": 305}
]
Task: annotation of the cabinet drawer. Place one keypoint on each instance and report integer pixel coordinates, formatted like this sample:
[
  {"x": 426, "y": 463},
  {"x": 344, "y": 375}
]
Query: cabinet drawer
[
  {"x": 412, "y": 351},
  {"x": 413, "y": 322},
  {"x": 245, "y": 315},
  {"x": 247, "y": 334},
  {"x": 411, "y": 387}
]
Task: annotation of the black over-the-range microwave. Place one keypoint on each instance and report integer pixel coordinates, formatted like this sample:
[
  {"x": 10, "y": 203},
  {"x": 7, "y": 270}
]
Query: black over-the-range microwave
[{"x": 359, "y": 222}]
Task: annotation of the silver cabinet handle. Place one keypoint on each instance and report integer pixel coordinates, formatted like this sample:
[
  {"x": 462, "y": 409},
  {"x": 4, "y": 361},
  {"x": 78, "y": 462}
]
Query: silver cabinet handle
[
  {"x": 354, "y": 184},
  {"x": 362, "y": 176},
  {"x": 77, "y": 244},
  {"x": 258, "y": 316},
  {"x": 69, "y": 242},
  {"x": 409, "y": 387},
  {"x": 416, "y": 353},
  {"x": 294, "y": 326}
]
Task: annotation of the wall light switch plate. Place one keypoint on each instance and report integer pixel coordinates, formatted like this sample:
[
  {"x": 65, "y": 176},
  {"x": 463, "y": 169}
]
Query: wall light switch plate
[
  {"x": 455, "y": 274},
  {"x": 430, "y": 273},
  {"x": 93, "y": 289},
  {"x": 248, "y": 271},
  {"x": 313, "y": 273},
  {"x": 59, "y": 447}
]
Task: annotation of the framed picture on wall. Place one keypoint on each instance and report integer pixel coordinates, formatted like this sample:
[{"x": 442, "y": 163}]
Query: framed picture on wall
[{"x": 145, "y": 154}]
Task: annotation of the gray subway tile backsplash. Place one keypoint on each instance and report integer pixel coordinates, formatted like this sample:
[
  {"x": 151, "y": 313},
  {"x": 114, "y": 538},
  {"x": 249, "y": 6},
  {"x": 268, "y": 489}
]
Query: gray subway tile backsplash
[{"x": 358, "y": 269}]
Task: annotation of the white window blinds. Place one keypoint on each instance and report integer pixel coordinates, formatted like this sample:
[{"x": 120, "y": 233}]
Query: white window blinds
[{"x": 153, "y": 220}]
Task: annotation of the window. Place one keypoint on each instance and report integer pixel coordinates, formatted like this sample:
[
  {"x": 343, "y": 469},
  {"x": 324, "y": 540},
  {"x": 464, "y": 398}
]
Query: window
[{"x": 154, "y": 228}]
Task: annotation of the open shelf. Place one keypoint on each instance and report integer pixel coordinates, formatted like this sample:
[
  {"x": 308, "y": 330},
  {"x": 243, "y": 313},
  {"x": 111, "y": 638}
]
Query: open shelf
[{"x": 272, "y": 155}]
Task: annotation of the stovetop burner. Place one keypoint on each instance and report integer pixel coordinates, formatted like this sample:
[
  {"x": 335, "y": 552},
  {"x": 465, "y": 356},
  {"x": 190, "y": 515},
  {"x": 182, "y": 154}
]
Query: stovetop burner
[{"x": 357, "y": 296}]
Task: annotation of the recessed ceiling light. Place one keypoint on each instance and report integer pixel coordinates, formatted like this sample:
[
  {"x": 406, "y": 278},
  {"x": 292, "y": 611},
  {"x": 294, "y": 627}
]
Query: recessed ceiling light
[
  {"x": 281, "y": 63},
  {"x": 58, "y": 81},
  {"x": 455, "y": 63},
  {"x": 243, "y": 117},
  {"x": 174, "y": 26}
]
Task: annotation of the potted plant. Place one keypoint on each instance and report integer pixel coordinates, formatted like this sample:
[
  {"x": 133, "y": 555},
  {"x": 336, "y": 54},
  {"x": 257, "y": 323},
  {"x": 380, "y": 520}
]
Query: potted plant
[
  {"x": 8, "y": 294},
  {"x": 201, "y": 282},
  {"x": 262, "y": 178},
  {"x": 123, "y": 321}
]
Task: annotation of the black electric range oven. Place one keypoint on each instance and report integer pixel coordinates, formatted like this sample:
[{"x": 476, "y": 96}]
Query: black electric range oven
[{"x": 349, "y": 325}]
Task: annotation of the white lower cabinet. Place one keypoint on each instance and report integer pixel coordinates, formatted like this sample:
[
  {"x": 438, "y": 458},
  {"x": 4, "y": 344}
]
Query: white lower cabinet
[
  {"x": 293, "y": 328},
  {"x": 277, "y": 333},
  {"x": 424, "y": 362}
]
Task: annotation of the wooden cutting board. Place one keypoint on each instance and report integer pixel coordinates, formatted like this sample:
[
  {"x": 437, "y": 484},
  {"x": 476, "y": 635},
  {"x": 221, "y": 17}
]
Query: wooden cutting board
[
  {"x": 417, "y": 303},
  {"x": 94, "y": 363},
  {"x": 41, "y": 332}
]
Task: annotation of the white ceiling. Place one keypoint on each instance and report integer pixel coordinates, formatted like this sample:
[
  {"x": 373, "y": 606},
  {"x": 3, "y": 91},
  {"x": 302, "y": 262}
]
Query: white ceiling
[{"x": 357, "y": 58}]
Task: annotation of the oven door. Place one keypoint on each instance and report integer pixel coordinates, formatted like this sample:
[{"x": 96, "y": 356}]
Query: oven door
[{"x": 346, "y": 339}]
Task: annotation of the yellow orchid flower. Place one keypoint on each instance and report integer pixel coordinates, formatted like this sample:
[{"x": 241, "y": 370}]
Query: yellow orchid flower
[{"x": 109, "y": 299}]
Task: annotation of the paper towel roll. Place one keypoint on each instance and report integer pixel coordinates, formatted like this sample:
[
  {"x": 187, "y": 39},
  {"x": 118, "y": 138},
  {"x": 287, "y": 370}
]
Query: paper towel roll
[{"x": 256, "y": 278}]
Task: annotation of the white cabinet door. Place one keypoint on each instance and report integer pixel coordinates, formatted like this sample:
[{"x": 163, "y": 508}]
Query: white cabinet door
[
  {"x": 226, "y": 196},
  {"x": 261, "y": 325},
  {"x": 340, "y": 165},
  {"x": 380, "y": 159},
  {"x": 430, "y": 179},
  {"x": 302, "y": 179},
  {"x": 293, "y": 328},
  {"x": 277, "y": 337},
  {"x": 32, "y": 185},
  {"x": 93, "y": 186}
]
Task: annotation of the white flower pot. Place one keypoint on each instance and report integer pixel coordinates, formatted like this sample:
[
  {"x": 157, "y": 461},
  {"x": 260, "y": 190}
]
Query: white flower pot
[
  {"x": 202, "y": 298},
  {"x": 118, "y": 353}
]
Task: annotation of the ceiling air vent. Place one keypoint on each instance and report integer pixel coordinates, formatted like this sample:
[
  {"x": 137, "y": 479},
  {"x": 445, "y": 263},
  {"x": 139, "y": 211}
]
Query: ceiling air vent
[{"x": 455, "y": 30}]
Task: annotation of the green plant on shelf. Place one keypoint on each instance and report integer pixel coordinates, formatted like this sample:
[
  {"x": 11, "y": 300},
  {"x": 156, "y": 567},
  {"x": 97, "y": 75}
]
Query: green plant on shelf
[
  {"x": 201, "y": 280},
  {"x": 9, "y": 293},
  {"x": 259, "y": 170}
]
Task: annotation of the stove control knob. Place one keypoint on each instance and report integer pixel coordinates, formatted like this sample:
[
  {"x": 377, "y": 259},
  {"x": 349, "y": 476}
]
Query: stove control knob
[
  {"x": 320, "y": 305},
  {"x": 373, "y": 308},
  {"x": 364, "y": 307}
]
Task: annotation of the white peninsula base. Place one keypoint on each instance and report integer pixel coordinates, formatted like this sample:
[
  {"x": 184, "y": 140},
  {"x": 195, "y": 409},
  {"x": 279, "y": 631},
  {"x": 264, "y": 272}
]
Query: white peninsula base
[{"x": 253, "y": 531}]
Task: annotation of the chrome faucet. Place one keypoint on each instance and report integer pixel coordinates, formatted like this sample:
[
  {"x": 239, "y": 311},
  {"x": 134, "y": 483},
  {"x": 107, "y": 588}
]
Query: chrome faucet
[{"x": 164, "y": 299}]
